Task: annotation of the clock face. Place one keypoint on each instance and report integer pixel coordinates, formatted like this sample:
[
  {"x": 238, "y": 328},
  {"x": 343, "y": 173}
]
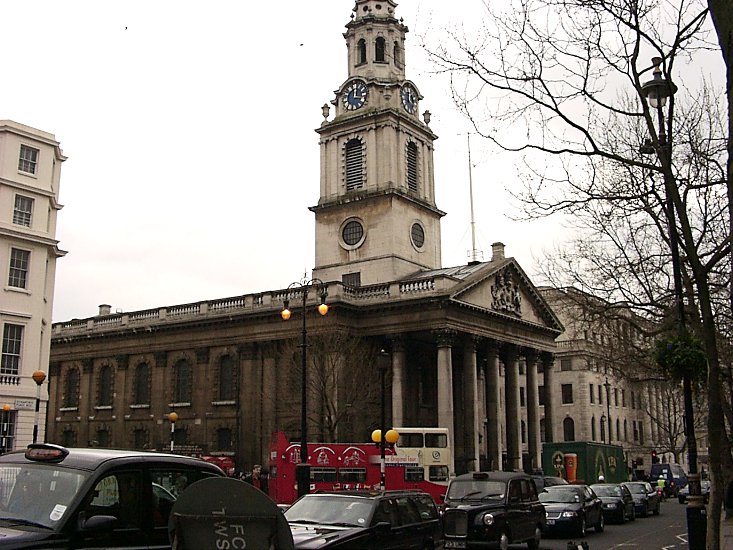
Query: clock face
[
  {"x": 409, "y": 99},
  {"x": 355, "y": 95}
]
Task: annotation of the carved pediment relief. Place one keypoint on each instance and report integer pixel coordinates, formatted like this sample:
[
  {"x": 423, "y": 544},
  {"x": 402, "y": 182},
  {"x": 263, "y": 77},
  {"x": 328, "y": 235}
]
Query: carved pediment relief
[{"x": 506, "y": 291}]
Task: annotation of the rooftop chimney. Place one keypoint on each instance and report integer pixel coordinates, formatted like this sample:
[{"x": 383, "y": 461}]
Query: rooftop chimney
[
  {"x": 105, "y": 309},
  {"x": 497, "y": 252}
]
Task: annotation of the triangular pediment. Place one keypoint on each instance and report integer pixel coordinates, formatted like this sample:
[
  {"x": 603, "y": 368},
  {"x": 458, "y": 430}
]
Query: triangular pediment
[{"x": 503, "y": 288}]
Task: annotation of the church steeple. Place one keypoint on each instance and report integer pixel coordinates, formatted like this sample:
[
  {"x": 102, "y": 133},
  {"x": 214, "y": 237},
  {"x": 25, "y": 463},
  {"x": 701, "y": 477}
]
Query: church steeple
[{"x": 376, "y": 219}]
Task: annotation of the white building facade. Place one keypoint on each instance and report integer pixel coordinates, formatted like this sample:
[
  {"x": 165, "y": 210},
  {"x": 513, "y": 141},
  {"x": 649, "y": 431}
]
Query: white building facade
[{"x": 30, "y": 173}]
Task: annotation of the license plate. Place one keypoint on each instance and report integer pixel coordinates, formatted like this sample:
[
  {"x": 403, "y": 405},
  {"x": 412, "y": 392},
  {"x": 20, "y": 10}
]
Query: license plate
[
  {"x": 454, "y": 544},
  {"x": 550, "y": 522}
]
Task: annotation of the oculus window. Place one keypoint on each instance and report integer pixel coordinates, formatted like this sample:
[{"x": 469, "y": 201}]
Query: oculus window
[
  {"x": 352, "y": 233},
  {"x": 417, "y": 235}
]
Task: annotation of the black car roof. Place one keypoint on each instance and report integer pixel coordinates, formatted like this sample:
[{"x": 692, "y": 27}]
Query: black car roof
[
  {"x": 569, "y": 486},
  {"x": 92, "y": 458},
  {"x": 365, "y": 493},
  {"x": 492, "y": 476}
]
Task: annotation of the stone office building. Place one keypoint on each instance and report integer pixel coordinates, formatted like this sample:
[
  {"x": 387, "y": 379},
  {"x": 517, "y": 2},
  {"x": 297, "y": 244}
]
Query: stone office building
[{"x": 467, "y": 343}]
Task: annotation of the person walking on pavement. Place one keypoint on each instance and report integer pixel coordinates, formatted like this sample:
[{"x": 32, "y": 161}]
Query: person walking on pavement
[{"x": 257, "y": 478}]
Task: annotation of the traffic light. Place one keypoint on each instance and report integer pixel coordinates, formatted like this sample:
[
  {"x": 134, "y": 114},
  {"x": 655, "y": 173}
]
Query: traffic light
[{"x": 655, "y": 458}]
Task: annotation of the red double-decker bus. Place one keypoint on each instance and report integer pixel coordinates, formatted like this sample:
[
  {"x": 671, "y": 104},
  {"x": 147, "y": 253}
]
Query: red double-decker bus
[{"x": 420, "y": 460}]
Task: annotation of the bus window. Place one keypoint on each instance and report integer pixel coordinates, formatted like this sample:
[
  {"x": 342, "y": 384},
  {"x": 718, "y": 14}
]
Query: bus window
[
  {"x": 352, "y": 475},
  {"x": 323, "y": 474},
  {"x": 410, "y": 440},
  {"x": 436, "y": 440},
  {"x": 438, "y": 473},
  {"x": 414, "y": 473}
]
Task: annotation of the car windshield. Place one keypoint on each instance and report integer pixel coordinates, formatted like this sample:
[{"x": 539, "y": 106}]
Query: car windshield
[
  {"x": 469, "y": 489},
  {"x": 636, "y": 488},
  {"x": 607, "y": 490},
  {"x": 38, "y": 494},
  {"x": 331, "y": 510},
  {"x": 559, "y": 495}
]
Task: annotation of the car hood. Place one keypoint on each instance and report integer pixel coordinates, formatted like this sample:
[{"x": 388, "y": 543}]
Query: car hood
[
  {"x": 561, "y": 506},
  {"x": 319, "y": 536},
  {"x": 639, "y": 497},
  {"x": 14, "y": 536},
  {"x": 611, "y": 500}
]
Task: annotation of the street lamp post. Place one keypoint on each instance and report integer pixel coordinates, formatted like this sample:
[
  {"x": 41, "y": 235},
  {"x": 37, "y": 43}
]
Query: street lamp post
[
  {"x": 603, "y": 427},
  {"x": 383, "y": 365},
  {"x": 608, "y": 408},
  {"x": 302, "y": 471},
  {"x": 38, "y": 377},
  {"x": 173, "y": 417},
  {"x": 657, "y": 91},
  {"x": 6, "y": 412}
]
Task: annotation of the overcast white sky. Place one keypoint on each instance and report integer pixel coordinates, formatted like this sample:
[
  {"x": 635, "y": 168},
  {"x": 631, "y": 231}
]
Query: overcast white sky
[{"x": 189, "y": 128}]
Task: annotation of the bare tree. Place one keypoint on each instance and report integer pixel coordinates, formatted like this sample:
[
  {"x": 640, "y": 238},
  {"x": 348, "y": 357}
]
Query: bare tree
[
  {"x": 342, "y": 383},
  {"x": 561, "y": 83}
]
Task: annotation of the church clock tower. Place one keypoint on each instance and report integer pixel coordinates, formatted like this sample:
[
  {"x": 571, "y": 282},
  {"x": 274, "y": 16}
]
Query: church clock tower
[{"x": 376, "y": 219}]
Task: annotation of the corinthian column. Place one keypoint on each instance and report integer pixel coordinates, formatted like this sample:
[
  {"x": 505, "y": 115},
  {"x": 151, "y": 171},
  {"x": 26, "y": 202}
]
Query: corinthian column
[
  {"x": 445, "y": 387},
  {"x": 513, "y": 418}
]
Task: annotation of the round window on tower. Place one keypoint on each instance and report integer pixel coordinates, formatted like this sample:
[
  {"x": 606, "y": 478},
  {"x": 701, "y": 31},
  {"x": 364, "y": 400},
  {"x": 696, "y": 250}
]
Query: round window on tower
[
  {"x": 352, "y": 234},
  {"x": 417, "y": 235}
]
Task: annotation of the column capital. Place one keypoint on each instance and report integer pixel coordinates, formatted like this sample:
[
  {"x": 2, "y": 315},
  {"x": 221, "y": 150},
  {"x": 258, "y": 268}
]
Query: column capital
[
  {"x": 508, "y": 352},
  {"x": 445, "y": 337},
  {"x": 548, "y": 359},
  {"x": 531, "y": 355},
  {"x": 397, "y": 343}
]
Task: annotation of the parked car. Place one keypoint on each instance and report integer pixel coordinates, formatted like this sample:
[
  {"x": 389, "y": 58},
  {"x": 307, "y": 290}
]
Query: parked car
[
  {"x": 618, "y": 504},
  {"x": 365, "y": 520},
  {"x": 62, "y": 498},
  {"x": 646, "y": 498},
  {"x": 542, "y": 481},
  {"x": 484, "y": 508},
  {"x": 685, "y": 492},
  {"x": 571, "y": 509},
  {"x": 674, "y": 477}
]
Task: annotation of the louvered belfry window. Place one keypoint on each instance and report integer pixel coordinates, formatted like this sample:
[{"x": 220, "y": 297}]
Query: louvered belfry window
[
  {"x": 354, "y": 170},
  {"x": 412, "y": 166}
]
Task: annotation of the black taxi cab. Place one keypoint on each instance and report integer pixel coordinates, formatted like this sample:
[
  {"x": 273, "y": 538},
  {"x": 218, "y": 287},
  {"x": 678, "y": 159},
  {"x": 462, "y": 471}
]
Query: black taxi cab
[
  {"x": 492, "y": 508},
  {"x": 62, "y": 498}
]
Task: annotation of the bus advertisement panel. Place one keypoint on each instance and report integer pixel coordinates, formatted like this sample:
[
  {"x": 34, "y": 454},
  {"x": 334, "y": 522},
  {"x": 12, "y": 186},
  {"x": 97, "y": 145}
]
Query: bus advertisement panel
[{"x": 419, "y": 460}]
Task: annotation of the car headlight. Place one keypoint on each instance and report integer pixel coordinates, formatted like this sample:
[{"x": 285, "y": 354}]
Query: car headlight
[
  {"x": 488, "y": 519},
  {"x": 569, "y": 514},
  {"x": 610, "y": 505}
]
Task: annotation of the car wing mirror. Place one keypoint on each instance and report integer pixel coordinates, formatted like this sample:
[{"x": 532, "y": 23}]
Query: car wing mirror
[
  {"x": 97, "y": 524},
  {"x": 383, "y": 527}
]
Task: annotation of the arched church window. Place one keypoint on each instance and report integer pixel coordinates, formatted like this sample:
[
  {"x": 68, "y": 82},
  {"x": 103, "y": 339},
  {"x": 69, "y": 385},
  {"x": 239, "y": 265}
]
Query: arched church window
[
  {"x": 142, "y": 384},
  {"x": 568, "y": 429},
  {"x": 354, "y": 175},
  {"x": 396, "y": 55},
  {"x": 361, "y": 54},
  {"x": 183, "y": 378},
  {"x": 412, "y": 166},
  {"x": 227, "y": 379},
  {"x": 379, "y": 47},
  {"x": 105, "y": 387},
  {"x": 71, "y": 389}
]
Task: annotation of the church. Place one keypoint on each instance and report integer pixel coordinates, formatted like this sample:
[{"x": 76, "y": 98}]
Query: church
[{"x": 469, "y": 348}]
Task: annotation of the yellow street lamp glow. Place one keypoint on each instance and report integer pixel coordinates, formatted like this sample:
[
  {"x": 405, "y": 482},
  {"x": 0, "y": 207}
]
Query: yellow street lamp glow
[
  {"x": 391, "y": 436},
  {"x": 377, "y": 436},
  {"x": 285, "y": 314},
  {"x": 173, "y": 417},
  {"x": 38, "y": 377},
  {"x": 323, "y": 309},
  {"x": 6, "y": 407}
]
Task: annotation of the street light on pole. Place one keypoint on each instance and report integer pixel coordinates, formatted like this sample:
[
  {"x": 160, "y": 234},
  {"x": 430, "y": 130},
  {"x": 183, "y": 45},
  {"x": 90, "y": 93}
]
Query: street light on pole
[
  {"x": 173, "y": 417},
  {"x": 656, "y": 92},
  {"x": 302, "y": 471},
  {"x": 38, "y": 377}
]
